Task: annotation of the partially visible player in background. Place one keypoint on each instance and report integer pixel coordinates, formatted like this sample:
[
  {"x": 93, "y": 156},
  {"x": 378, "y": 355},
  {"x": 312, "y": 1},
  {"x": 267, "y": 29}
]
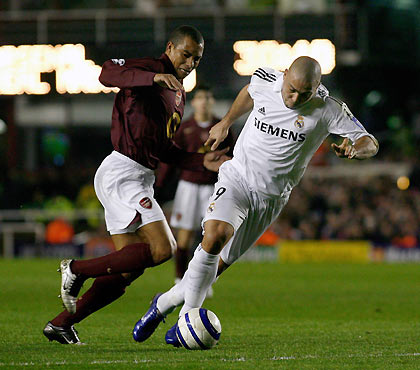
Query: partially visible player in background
[
  {"x": 147, "y": 112},
  {"x": 291, "y": 115},
  {"x": 194, "y": 188}
]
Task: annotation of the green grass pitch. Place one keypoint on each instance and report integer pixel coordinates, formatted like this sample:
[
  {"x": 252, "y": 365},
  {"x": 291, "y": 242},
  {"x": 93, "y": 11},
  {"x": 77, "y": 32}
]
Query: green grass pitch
[{"x": 291, "y": 316}]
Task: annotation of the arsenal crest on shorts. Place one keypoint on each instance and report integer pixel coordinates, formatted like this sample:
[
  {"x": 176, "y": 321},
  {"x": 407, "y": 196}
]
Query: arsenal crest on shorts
[
  {"x": 178, "y": 97},
  {"x": 146, "y": 203}
]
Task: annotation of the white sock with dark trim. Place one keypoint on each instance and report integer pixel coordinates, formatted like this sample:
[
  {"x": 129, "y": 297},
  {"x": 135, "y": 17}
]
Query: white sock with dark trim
[
  {"x": 200, "y": 275},
  {"x": 173, "y": 298},
  {"x": 202, "y": 272}
]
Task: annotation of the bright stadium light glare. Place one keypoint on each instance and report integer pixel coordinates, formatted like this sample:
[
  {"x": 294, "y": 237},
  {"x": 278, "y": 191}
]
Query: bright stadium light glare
[
  {"x": 190, "y": 81},
  {"x": 269, "y": 53},
  {"x": 3, "y": 127},
  {"x": 21, "y": 68},
  {"x": 403, "y": 182},
  {"x": 75, "y": 74}
]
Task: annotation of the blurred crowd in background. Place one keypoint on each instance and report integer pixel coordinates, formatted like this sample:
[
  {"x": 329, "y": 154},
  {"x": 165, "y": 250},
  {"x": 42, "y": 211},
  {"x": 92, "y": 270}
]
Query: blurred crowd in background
[
  {"x": 151, "y": 6},
  {"x": 350, "y": 208},
  {"x": 347, "y": 208}
]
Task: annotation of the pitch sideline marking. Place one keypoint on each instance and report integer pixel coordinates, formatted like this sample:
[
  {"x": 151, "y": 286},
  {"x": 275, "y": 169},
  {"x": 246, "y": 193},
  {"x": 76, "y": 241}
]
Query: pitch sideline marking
[{"x": 239, "y": 359}]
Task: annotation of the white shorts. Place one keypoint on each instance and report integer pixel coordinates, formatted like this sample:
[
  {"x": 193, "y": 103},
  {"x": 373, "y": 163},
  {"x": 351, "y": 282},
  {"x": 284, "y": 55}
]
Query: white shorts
[
  {"x": 247, "y": 211},
  {"x": 190, "y": 205},
  {"x": 125, "y": 189}
]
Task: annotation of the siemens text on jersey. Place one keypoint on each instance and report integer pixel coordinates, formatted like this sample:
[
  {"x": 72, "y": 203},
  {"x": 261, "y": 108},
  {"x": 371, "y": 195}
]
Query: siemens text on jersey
[{"x": 276, "y": 131}]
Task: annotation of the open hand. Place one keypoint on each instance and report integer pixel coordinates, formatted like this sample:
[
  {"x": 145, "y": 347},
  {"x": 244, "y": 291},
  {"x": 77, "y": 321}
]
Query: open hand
[
  {"x": 344, "y": 150},
  {"x": 168, "y": 80},
  {"x": 213, "y": 160},
  {"x": 217, "y": 134}
]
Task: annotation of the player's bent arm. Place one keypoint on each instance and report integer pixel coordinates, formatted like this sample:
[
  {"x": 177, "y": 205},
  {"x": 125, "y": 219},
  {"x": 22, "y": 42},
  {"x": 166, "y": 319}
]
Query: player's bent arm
[
  {"x": 168, "y": 80},
  {"x": 242, "y": 104},
  {"x": 366, "y": 147},
  {"x": 126, "y": 75}
]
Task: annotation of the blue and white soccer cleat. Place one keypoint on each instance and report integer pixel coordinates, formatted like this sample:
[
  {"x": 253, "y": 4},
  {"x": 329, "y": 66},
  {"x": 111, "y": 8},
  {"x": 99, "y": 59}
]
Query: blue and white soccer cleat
[
  {"x": 145, "y": 327},
  {"x": 171, "y": 338}
]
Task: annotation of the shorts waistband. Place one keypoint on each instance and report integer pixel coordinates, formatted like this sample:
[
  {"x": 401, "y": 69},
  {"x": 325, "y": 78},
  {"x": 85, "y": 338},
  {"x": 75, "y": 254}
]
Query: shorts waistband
[{"x": 130, "y": 162}]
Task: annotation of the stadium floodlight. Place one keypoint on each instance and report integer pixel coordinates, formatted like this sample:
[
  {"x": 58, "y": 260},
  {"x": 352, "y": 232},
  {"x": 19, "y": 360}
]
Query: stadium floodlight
[
  {"x": 403, "y": 182},
  {"x": 190, "y": 81},
  {"x": 21, "y": 68},
  {"x": 270, "y": 53}
]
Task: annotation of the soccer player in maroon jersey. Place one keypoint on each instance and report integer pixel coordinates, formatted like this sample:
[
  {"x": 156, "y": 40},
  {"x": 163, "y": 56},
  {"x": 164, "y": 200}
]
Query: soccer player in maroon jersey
[
  {"x": 194, "y": 188},
  {"x": 147, "y": 112}
]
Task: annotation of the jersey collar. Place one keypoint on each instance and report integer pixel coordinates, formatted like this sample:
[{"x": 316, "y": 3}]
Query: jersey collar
[
  {"x": 169, "y": 67},
  {"x": 279, "y": 83}
]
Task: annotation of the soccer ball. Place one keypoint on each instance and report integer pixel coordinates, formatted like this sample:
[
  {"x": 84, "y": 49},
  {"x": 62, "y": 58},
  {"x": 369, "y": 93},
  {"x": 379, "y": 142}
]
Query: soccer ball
[{"x": 198, "y": 328}]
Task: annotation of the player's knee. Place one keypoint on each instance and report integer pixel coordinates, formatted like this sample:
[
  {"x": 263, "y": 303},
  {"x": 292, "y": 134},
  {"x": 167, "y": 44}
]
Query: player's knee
[
  {"x": 216, "y": 235},
  {"x": 163, "y": 250}
]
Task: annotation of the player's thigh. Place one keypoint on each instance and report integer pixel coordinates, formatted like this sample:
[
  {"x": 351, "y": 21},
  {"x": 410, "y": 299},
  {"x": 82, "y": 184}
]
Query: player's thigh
[
  {"x": 206, "y": 192},
  {"x": 227, "y": 209},
  {"x": 229, "y": 204},
  {"x": 121, "y": 240},
  {"x": 261, "y": 215},
  {"x": 125, "y": 189},
  {"x": 157, "y": 234}
]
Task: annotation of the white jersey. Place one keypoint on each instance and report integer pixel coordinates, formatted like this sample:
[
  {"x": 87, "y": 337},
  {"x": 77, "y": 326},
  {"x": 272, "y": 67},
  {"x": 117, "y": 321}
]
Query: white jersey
[{"x": 277, "y": 143}]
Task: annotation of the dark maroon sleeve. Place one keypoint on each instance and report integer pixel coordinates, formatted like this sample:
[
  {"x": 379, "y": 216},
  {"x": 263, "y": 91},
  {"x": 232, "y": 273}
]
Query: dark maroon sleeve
[
  {"x": 164, "y": 172},
  {"x": 183, "y": 159},
  {"x": 133, "y": 73}
]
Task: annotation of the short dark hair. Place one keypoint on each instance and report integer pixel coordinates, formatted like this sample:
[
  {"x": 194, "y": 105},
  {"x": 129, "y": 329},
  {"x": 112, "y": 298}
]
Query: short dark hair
[
  {"x": 179, "y": 33},
  {"x": 202, "y": 87}
]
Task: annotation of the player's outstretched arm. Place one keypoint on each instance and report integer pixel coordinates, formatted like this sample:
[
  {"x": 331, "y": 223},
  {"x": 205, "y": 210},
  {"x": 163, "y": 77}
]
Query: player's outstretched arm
[
  {"x": 364, "y": 147},
  {"x": 133, "y": 73},
  {"x": 242, "y": 104},
  {"x": 126, "y": 73}
]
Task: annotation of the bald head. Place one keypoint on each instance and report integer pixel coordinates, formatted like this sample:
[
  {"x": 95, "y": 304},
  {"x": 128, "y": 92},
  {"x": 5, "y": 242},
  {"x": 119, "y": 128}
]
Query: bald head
[
  {"x": 306, "y": 69},
  {"x": 300, "y": 82}
]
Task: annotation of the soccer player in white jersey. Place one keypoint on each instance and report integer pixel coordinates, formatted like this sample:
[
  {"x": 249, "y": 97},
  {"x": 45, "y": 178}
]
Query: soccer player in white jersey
[{"x": 291, "y": 115}]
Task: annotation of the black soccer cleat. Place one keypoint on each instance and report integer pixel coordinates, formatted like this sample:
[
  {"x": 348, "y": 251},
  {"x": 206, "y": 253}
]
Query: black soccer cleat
[{"x": 61, "y": 335}]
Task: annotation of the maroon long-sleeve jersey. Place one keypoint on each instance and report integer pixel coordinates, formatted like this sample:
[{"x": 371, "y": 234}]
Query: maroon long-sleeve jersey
[
  {"x": 191, "y": 137},
  {"x": 146, "y": 116}
]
